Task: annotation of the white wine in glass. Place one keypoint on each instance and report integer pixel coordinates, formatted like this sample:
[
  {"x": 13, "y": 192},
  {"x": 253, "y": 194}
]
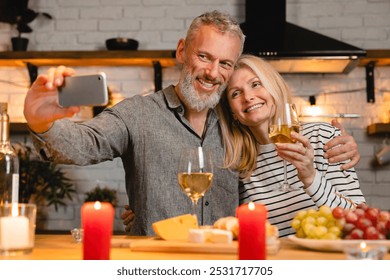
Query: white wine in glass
[
  {"x": 195, "y": 173},
  {"x": 280, "y": 127}
]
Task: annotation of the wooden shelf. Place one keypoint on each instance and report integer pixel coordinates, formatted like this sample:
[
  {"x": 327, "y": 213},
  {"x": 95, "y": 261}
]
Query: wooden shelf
[
  {"x": 128, "y": 58},
  {"x": 378, "y": 128},
  {"x": 18, "y": 128},
  {"x": 88, "y": 58},
  {"x": 379, "y": 57}
]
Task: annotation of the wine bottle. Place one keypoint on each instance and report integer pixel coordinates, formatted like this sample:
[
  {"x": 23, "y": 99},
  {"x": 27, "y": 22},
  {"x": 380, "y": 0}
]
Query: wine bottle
[{"x": 9, "y": 162}]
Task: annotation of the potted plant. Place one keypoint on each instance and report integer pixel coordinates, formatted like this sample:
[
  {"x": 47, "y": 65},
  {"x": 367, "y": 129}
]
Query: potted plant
[
  {"x": 104, "y": 194},
  {"x": 43, "y": 183},
  {"x": 17, "y": 13}
]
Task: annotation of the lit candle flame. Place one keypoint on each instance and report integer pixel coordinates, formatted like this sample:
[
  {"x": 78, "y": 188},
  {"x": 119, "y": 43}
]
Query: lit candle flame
[
  {"x": 251, "y": 206},
  {"x": 97, "y": 205},
  {"x": 363, "y": 245}
]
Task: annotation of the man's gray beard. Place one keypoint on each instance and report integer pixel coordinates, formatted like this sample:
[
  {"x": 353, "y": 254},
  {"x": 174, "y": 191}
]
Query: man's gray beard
[{"x": 195, "y": 101}]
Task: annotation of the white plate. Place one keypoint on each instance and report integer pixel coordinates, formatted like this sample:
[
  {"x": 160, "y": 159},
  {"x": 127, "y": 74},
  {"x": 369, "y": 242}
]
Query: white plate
[{"x": 334, "y": 245}]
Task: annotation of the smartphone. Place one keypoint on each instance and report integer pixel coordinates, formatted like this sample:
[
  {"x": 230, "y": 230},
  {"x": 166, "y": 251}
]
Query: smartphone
[{"x": 84, "y": 90}]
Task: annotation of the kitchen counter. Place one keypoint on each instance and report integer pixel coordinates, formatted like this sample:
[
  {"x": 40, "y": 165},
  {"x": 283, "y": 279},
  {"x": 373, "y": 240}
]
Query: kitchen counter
[{"x": 63, "y": 247}]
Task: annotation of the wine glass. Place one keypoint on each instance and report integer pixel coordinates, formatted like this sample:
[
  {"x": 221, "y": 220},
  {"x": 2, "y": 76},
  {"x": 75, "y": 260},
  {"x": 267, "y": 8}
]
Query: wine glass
[
  {"x": 280, "y": 127},
  {"x": 195, "y": 173}
]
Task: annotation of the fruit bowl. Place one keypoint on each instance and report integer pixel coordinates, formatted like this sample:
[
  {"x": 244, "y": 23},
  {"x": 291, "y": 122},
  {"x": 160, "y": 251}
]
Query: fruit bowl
[
  {"x": 334, "y": 245},
  {"x": 121, "y": 44}
]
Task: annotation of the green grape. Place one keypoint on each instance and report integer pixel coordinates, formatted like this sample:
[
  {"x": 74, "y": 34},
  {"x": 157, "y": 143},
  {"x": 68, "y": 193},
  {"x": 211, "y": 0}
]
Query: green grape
[
  {"x": 318, "y": 224},
  {"x": 320, "y": 231},
  {"x": 335, "y": 230},
  {"x": 325, "y": 211},
  {"x": 321, "y": 221},
  {"x": 330, "y": 236},
  {"x": 301, "y": 214},
  {"x": 296, "y": 224}
]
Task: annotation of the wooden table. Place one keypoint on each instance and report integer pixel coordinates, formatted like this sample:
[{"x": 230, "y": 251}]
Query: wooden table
[{"x": 63, "y": 247}]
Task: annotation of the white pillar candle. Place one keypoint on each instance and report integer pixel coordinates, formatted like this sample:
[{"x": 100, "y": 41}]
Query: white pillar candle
[{"x": 14, "y": 232}]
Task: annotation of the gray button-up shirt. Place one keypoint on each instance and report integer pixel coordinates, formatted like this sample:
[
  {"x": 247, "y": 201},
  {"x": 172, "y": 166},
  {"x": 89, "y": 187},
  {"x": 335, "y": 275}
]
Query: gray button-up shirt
[{"x": 147, "y": 132}]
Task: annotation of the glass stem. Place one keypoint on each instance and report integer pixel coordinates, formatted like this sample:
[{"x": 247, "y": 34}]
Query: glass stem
[{"x": 285, "y": 171}]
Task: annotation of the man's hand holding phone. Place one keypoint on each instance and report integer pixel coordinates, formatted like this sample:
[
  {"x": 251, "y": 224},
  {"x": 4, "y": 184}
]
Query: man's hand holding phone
[
  {"x": 41, "y": 106},
  {"x": 86, "y": 90}
]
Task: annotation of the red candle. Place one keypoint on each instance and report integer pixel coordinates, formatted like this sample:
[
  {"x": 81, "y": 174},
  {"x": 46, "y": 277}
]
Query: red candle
[
  {"x": 252, "y": 235},
  {"x": 97, "y": 220}
]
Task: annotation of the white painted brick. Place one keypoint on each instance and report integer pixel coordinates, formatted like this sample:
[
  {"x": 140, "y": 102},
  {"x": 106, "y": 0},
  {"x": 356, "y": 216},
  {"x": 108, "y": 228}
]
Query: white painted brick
[
  {"x": 342, "y": 22},
  {"x": 364, "y": 33},
  {"x": 142, "y": 12},
  {"x": 78, "y": 3},
  {"x": 77, "y": 25},
  {"x": 383, "y": 175},
  {"x": 67, "y": 13},
  {"x": 162, "y": 2},
  {"x": 101, "y": 13},
  {"x": 366, "y": 176},
  {"x": 377, "y": 20},
  {"x": 119, "y": 25},
  {"x": 162, "y": 24}
]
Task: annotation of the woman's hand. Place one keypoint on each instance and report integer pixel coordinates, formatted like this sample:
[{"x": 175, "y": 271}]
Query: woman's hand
[
  {"x": 128, "y": 217},
  {"x": 301, "y": 155}
]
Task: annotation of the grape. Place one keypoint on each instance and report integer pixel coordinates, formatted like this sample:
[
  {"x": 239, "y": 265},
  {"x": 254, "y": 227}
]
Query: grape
[
  {"x": 363, "y": 222},
  {"x": 371, "y": 233},
  {"x": 338, "y": 212},
  {"x": 351, "y": 217},
  {"x": 357, "y": 233}
]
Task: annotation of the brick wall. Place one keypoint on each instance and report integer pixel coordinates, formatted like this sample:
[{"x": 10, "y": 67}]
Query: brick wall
[{"x": 85, "y": 25}]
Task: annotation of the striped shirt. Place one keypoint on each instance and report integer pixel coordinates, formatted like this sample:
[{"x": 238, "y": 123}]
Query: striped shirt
[{"x": 331, "y": 185}]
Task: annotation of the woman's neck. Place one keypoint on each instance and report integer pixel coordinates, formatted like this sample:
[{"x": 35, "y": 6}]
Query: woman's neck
[{"x": 261, "y": 134}]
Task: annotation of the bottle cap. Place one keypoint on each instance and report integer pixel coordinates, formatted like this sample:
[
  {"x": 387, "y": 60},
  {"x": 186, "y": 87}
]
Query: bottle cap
[{"x": 3, "y": 107}]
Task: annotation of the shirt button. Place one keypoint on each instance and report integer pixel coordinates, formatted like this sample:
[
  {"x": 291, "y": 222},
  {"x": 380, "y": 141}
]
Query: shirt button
[
  {"x": 180, "y": 110},
  {"x": 206, "y": 203}
]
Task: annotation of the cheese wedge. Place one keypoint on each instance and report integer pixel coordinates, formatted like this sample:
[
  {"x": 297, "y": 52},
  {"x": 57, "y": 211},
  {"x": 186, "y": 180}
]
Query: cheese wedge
[
  {"x": 175, "y": 228},
  {"x": 202, "y": 235}
]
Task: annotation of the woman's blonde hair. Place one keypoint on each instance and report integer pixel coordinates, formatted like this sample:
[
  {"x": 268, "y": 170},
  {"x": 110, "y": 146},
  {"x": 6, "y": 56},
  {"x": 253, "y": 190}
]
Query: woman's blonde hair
[{"x": 239, "y": 142}]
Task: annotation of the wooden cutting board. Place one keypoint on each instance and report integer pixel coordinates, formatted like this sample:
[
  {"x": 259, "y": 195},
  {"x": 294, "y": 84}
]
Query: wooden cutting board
[{"x": 158, "y": 245}]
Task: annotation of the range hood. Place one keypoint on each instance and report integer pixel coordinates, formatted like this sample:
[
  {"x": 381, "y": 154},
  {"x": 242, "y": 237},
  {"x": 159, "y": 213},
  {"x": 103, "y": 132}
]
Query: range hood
[{"x": 290, "y": 48}]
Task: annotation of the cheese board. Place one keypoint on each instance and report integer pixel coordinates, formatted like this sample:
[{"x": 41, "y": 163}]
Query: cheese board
[{"x": 179, "y": 246}]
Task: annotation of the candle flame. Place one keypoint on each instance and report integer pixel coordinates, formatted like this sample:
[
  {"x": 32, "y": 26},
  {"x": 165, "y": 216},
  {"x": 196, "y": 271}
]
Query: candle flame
[
  {"x": 363, "y": 245},
  {"x": 97, "y": 205},
  {"x": 251, "y": 206}
]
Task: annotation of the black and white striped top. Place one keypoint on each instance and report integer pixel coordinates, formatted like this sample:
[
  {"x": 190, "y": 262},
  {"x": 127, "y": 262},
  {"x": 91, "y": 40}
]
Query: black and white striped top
[{"x": 331, "y": 185}]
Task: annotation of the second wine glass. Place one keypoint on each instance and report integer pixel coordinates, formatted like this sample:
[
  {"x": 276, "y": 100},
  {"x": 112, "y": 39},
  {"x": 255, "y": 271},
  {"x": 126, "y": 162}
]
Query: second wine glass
[
  {"x": 195, "y": 173},
  {"x": 280, "y": 127}
]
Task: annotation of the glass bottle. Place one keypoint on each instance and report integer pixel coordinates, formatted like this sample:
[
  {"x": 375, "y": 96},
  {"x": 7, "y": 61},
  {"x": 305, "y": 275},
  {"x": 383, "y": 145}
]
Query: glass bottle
[{"x": 9, "y": 162}]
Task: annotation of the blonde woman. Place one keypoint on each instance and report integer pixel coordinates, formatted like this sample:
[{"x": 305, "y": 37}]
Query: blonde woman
[{"x": 245, "y": 110}]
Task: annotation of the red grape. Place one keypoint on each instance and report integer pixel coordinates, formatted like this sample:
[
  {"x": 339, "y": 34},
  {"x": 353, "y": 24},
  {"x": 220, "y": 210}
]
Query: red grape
[
  {"x": 357, "y": 234},
  {"x": 371, "y": 233},
  {"x": 384, "y": 216},
  {"x": 338, "y": 212},
  {"x": 351, "y": 217},
  {"x": 362, "y": 206},
  {"x": 348, "y": 227},
  {"x": 373, "y": 215},
  {"x": 363, "y": 223}
]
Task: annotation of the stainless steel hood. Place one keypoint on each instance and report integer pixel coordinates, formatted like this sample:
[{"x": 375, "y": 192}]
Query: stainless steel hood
[{"x": 290, "y": 48}]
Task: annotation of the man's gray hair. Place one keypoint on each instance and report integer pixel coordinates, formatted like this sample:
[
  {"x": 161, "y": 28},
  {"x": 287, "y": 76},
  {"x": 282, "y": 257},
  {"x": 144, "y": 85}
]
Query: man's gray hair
[{"x": 222, "y": 21}]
